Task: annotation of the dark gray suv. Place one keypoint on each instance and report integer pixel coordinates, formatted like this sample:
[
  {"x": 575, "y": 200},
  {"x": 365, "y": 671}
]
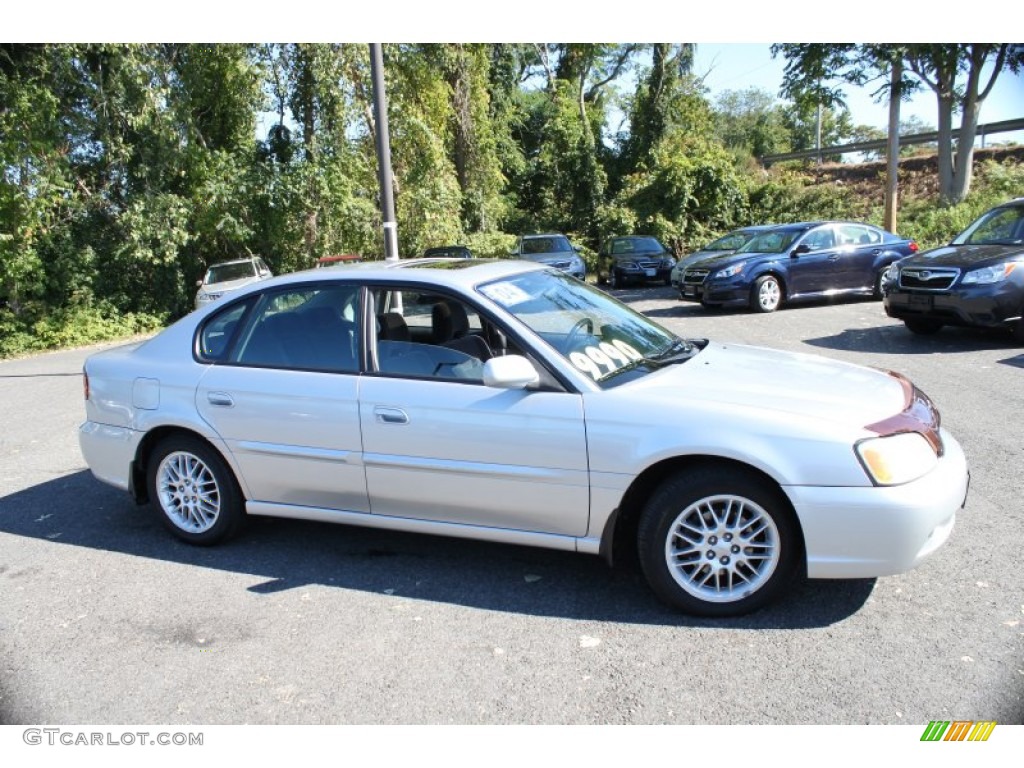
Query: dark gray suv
[{"x": 977, "y": 280}]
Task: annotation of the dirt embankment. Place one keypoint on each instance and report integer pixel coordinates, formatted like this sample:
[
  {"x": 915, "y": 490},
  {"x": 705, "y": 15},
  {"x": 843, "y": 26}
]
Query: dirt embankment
[{"x": 918, "y": 175}]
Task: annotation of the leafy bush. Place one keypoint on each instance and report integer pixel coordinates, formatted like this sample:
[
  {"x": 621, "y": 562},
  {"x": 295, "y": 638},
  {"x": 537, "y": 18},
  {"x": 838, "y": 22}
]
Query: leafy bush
[{"x": 70, "y": 327}]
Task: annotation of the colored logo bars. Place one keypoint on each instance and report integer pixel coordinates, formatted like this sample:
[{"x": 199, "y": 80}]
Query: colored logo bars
[{"x": 958, "y": 730}]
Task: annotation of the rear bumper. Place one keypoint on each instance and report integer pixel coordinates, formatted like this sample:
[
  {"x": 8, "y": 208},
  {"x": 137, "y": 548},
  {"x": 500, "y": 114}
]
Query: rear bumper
[{"x": 109, "y": 452}]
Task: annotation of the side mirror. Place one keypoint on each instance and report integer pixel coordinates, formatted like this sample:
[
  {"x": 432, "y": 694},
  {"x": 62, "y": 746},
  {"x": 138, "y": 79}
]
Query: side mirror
[
  {"x": 510, "y": 372},
  {"x": 199, "y": 283},
  {"x": 802, "y": 248}
]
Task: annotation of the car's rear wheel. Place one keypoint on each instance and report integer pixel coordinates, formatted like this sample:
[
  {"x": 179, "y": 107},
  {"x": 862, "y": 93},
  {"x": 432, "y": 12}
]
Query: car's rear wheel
[
  {"x": 766, "y": 295},
  {"x": 718, "y": 541},
  {"x": 194, "y": 490},
  {"x": 921, "y": 326}
]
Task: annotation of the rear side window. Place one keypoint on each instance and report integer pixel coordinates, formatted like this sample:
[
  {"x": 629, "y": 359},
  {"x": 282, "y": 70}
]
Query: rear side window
[
  {"x": 309, "y": 328},
  {"x": 219, "y": 331}
]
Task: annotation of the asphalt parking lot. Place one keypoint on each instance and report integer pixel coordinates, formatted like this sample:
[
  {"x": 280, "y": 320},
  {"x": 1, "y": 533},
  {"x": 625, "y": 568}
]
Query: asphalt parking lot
[{"x": 104, "y": 618}]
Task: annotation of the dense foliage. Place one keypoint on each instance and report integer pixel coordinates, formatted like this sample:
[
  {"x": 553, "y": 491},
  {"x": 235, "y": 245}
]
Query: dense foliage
[{"x": 127, "y": 169}]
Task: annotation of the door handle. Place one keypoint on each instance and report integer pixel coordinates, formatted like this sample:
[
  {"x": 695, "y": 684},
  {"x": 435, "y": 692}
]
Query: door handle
[
  {"x": 391, "y": 415},
  {"x": 220, "y": 398}
]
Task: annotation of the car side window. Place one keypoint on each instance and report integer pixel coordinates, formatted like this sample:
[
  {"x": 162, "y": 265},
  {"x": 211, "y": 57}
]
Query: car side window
[
  {"x": 305, "y": 327},
  {"x": 429, "y": 335},
  {"x": 216, "y": 334},
  {"x": 820, "y": 239}
]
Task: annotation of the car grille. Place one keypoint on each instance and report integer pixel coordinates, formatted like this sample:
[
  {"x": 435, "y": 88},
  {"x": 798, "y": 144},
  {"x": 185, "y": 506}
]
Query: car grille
[
  {"x": 695, "y": 276},
  {"x": 648, "y": 264},
  {"x": 928, "y": 278}
]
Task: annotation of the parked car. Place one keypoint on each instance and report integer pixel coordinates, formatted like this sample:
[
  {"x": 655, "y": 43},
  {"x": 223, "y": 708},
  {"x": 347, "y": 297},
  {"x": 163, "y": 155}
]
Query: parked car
[
  {"x": 230, "y": 276},
  {"x": 448, "y": 252},
  {"x": 794, "y": 262},
  {"x": 509, "y": 402},
  {"x": 552, "y": 249},
  {"x": 634, "y": 258},
  {"x": 339, "y": 259},
  {"x": 726, "y": 244},
  {"x": 977, "y": 280}
]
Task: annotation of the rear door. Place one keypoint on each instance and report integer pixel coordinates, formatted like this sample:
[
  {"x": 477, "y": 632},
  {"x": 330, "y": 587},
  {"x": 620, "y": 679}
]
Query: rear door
[{"x": 284, "y": 397}]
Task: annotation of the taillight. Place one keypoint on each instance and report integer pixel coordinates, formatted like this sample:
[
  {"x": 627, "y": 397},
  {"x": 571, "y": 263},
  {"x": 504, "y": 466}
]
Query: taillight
[
  {"x": 85, "y": 384},
  {"x": 913, "y": 247}
]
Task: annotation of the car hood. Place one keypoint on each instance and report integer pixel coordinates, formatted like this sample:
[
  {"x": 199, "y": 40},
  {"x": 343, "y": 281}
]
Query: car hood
[
  {"x": 702, "y": 255},
  {"x": 639, "y": 255},
  {"x": 548, "y": 258},
  {"x": 228, "y": 285},
  {"x": 790, "y": 383},
  {"x": 725, "y": 258},
  {"x": 961, "y": 255}
]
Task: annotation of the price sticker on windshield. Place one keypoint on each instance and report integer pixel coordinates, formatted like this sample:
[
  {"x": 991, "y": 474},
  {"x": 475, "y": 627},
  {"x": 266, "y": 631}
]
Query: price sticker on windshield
[{"x": 597, "y": 361}]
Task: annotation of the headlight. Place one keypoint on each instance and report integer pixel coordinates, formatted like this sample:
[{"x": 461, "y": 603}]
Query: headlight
[
  {"x": 989, "y": 274},
  {"x": 892, "y": 274},
  {"x": 896, "y": 459},
  {"x": 735, "y": 269}
]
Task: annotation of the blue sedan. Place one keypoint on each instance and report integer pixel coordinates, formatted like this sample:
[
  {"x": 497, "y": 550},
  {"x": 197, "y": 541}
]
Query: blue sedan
[{"x": 794, "y": 262}]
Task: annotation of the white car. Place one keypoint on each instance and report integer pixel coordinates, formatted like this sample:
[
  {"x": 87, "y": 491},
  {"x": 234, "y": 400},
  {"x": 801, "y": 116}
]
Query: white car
[
  {"x": 508, "y": 402},
  {"x": 230, "y": 276}
]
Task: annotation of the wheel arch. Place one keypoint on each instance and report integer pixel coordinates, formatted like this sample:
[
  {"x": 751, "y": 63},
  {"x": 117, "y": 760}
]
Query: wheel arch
[
  {"x": 619, "y": 538},
  {"x": 137, "y": 476}
]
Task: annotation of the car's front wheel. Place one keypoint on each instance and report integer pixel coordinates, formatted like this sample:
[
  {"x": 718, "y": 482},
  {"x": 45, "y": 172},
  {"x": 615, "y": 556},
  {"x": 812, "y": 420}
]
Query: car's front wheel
[
  {"x": 194, "y": 490},
  {"x": 718, "y": 541},
  {"x": 766, "y": 295},
  {"x": 613, "y": 278},
  {"x": 922, "y": 327}
]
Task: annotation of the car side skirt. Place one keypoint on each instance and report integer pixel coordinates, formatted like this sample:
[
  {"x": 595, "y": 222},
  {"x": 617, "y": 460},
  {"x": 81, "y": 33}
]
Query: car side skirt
[{"x": 585, "y": 545}]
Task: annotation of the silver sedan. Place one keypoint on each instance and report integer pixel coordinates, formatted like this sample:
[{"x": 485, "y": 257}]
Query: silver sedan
[{"x": 508, "y": 402}]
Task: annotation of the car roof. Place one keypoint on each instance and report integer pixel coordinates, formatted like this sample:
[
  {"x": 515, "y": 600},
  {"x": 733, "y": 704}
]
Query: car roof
[
  {"x": 442, "y": 272},
  {"x": 244, "y": 260}
]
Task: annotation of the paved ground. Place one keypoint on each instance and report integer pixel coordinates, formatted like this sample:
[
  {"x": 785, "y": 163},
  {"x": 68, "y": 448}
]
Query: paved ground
[{"x": 104, "y": 618}]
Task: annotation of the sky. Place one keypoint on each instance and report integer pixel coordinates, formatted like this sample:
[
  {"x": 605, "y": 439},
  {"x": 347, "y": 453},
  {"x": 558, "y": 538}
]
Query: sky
[{"x": 738, "y": 66}]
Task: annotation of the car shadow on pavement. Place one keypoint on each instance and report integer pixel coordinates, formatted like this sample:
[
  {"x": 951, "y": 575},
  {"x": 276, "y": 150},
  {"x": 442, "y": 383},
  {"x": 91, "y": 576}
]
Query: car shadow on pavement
[
  {"x": 898, "y": 340},
  {"x": 77, "y": 510}
]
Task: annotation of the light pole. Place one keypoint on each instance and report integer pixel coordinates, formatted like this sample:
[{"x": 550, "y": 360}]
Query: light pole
[{"x": 380, "y": 116}]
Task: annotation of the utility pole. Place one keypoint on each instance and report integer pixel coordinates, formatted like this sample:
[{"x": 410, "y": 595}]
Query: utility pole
[
  {"x": 892, "y": 164},
  {"x": 380, "y": 116}
]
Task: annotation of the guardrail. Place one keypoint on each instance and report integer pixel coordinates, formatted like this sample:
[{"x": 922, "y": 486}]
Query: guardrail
[{"x": 987, "y": 129}]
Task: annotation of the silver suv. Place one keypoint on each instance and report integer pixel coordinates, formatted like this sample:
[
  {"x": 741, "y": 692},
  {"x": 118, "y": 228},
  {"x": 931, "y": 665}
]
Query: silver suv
[
  {"x": 229, "y": 275},
  {"x": 552, "y": 249}
]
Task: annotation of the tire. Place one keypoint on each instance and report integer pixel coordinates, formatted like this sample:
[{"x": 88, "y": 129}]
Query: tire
[
  {"x": 922, "y": 326},
  {"x": 876, "y": 292},
  {"x": 766, "y": 295},
  {"x": 194, "y": 490},
  {"x": 691, "y": 542},
  {"x": 613, "y": 278},
  {"x": 1018, "y": 331}
]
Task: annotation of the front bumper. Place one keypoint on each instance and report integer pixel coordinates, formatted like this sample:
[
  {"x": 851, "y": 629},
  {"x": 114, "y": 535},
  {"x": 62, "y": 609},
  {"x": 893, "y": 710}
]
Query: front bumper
[
  {"x": 985, "y": 306},
  {"x": 860, "y": 533},
  {"x": 725, "y": 294}
]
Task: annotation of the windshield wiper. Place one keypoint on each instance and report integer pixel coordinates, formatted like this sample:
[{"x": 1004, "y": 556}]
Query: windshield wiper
[{"x": 678, "y": 351}]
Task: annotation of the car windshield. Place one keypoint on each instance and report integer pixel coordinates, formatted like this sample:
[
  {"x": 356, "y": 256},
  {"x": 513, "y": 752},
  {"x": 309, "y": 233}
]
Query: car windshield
[
  {"x": 1000, "y": 226},
  {"x": 597, "y": 334},
  {"x": 554, "y": 244},
  {"x": 636, "y": 245},
  {"x": 223, "y": 273},
  {"x": 729, "y": 242},
  {"x": 771, "y": 242}
]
